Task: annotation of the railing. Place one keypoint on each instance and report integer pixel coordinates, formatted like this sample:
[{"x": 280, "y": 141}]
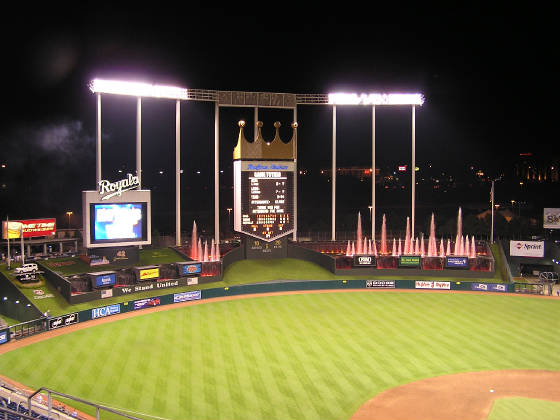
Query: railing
[
  {"x": 98, "y": 407},
  {"x": 25, "y": 329},
  {"x": 6, "y": 413}
]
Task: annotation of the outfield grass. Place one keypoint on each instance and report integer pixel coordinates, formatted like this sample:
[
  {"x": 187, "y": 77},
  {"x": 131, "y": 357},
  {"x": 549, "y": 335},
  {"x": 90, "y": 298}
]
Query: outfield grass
[
  {"x": 310, "y": 356},
  {"x": 524, "y": 409}
]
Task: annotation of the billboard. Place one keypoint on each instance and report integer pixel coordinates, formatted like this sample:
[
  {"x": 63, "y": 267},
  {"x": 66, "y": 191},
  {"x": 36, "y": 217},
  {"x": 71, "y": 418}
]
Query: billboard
[
  {"x": 490, "y": 287},
  {"x": 103, "y": 279},
  {"x": 147, "y": 303},
  {"x": 551, "y": 219},
  {"x": 264, "y": 198},
  {"x": 532, "y": 249},
  {"x": 148, "y": 273},
  {"x": 444, "y": 285},
  {"x": 190, "y": 269},
  {"x": 456, "y": 262},
  {"x": 106, "y": 311},
  {"x": 123, "y": 220},
  {"x": 409, "y": 261},
  {"x": 380, "y": 284},
  {"x": 31, "y": 228},
  {"x": 364, "y": 261},
  {"x": 63, "y": 321},
  {"x": 187, "y": 296}
]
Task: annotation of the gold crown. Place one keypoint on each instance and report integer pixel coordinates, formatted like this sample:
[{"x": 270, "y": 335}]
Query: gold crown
[{"x": 261, "y": 149}]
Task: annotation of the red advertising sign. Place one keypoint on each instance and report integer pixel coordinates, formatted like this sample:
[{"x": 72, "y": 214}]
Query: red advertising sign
[{"x": 31, "y": 228}]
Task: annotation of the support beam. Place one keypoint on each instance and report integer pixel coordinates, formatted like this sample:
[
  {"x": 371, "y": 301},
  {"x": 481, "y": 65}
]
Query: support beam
[
  {"x": 178, "y": 173},
  {"x": 373, "y": 172},
  {"x": 216, "y": 173},
  {"x": 98, "y": 143},
  {"x": 139, "y": 141},
  {"x": 413, "y": 169},
  {"x": 294, "y": 235},
  {"x": 333, "y": 176},
  {"x": 255, "y": 119}
]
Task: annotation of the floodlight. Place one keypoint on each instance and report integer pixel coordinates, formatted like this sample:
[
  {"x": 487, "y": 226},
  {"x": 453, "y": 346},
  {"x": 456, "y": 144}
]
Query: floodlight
[
  {"x": 376, "y": 99},
  {"x": 118, "y": 87}
]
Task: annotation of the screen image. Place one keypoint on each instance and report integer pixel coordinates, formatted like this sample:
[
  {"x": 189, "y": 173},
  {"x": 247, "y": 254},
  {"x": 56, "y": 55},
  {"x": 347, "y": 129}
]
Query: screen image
[{"x": 118, "y": 222}]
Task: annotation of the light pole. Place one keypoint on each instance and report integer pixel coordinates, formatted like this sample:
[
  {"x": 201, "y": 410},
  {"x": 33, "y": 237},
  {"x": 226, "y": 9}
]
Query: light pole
[
  {"x": 228, "y": 216},
  {"x": 69, "y": 214}
]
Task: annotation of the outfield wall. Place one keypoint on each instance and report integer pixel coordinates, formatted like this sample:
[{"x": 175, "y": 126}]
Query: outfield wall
[{"x": 269, "y": 287}]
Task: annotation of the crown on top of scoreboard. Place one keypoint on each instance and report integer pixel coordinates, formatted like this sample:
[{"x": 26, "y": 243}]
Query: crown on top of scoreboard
[{"x": 262, "y": 149}]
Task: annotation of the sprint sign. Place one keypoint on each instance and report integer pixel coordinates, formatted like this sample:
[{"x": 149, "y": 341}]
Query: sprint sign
[{"x": 533, "y": 249}]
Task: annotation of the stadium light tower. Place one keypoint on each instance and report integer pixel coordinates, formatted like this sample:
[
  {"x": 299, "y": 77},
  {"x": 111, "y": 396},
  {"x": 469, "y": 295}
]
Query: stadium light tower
[
  {"x": 373, "y": 100},
  {"x": 143, "y": 90}
]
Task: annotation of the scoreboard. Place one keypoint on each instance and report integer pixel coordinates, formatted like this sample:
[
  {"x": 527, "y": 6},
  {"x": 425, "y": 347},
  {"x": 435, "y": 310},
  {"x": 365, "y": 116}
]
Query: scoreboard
[{"x": 264, "y": 198}]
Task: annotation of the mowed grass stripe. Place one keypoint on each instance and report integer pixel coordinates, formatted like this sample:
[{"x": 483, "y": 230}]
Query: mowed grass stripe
[
  {"x": 295, "y": 356},
  {"x": 295, "y": 361}
]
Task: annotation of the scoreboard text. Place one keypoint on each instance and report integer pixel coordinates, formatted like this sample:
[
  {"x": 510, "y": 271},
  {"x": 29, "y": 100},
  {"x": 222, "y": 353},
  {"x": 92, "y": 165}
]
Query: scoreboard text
[{"x": 264, "y": 205}]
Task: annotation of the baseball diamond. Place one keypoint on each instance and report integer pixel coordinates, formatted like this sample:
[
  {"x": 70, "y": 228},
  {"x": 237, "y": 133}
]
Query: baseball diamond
[{"x": 301, "y": 355}]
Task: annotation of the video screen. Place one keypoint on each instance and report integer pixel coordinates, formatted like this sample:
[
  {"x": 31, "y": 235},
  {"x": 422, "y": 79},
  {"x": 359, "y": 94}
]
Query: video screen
[{"x": 118, "y": 222}]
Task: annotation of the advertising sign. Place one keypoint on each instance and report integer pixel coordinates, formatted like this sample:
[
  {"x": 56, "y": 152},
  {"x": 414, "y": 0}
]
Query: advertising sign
[
  {"x": 380, "y": 284},
  {"x": 191, "y": 269},
  {"x": 364, "y": 261},
  {"x": 409, "y": 261},
  {"x": 3, "y": 336},
  {"x": 146, "y": 303},
  {"x": 551, "y": 219},
  {"x": 489, "y": 287},
  {"x": 105, "y": 311},
  {"x": 532, "y": 249},
  {"x": 263, "y": 196},
  {"x": 107, "y": 279},
  {"x": 187, "y": 296},
  {"x": 433, "y": 285},
  {"x": 31, "y": 228},
  {"x": 456, "y": 262},
  {"x": 148, "y": 274},
  {"x": 63, "y": 321}
]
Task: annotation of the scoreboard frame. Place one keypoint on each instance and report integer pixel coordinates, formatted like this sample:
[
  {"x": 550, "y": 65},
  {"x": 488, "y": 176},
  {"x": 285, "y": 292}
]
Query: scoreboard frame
[{"x": 243, "y": 198}]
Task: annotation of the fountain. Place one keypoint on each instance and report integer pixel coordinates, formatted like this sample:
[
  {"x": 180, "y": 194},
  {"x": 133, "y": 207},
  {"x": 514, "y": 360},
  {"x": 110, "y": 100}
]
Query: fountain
[
  {"x": 194, "y": 243},
  {"x": 459, "y": 238},
  {"x": 432, "y": 246},
  {"x": 407, "y": 244},
  {"x": 384, "y": 236},
  {"x": 359, "y": 235},
  {"x": 217, "y": 254}
]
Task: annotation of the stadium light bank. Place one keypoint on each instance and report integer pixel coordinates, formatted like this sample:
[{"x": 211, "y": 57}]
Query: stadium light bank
[{"x": 140, "y": 90}]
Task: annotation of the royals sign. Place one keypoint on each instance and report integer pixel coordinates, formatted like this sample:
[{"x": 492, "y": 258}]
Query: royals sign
[{"x": 110, "y": 189}]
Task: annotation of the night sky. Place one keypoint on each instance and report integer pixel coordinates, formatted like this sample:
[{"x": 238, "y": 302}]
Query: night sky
[{"x": 486, "y": 74}]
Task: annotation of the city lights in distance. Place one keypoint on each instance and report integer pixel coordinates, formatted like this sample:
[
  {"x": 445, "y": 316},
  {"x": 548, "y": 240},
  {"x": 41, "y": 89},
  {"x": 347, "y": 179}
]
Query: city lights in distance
[
  {"x": 376, "y": 99},
  {"x": 117, "y": 87}
]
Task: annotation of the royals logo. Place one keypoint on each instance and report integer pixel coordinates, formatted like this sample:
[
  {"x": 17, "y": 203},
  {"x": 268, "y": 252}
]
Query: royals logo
[{"x": 110, "y": 189}]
